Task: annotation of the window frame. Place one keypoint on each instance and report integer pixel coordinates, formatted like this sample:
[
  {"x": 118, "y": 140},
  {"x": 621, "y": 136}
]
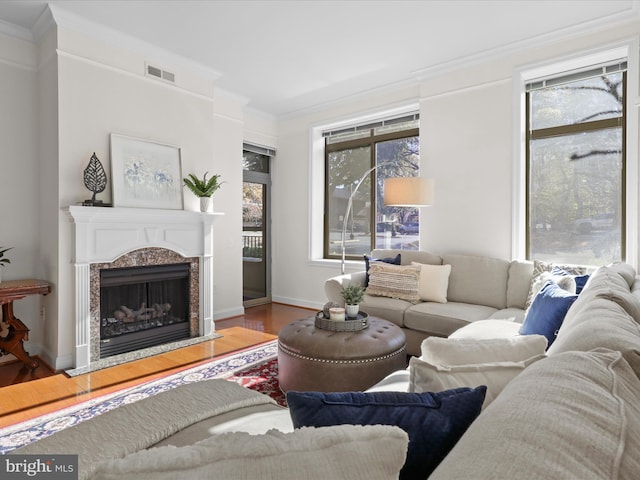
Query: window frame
[
  {"x": 578, "y": 60},
  {"x": 369, "y": 141}
]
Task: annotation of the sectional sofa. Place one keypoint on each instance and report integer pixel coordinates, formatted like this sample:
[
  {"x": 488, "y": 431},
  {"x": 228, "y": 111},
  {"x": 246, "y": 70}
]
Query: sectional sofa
[
  {"x": 476, "y": 288},
  {"x": 576, "y": 413},
  {"x": 573, "y": 413}
]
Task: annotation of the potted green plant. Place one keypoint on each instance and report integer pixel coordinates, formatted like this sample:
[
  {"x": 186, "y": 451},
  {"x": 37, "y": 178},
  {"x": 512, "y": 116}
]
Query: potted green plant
[
  {"x": 352, "y": 294},
  {"x": 3, "y": 259},
  {"x": 203, "y": 188}
]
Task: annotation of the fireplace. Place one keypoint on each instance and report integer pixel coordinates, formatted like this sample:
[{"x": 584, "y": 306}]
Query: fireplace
[
  {"x": 143, "y": 307},
  {"x": 127, "y": 281},
  {"x": 115, "y": 238}
]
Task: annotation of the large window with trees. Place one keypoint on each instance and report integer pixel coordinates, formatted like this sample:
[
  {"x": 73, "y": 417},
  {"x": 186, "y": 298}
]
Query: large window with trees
[
  {"x": 576, "y": 166},
  {"x": 390, "y": 146}
]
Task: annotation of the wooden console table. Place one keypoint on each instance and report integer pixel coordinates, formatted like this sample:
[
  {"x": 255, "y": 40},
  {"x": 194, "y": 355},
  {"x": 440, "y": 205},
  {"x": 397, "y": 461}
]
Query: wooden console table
[{"x": 12, "y": 331}]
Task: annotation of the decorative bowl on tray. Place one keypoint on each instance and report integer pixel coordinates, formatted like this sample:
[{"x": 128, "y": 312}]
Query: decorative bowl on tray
[{"x": 350, "y": 324}]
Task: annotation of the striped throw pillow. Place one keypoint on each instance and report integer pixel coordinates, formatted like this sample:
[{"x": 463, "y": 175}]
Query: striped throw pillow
[{"x": 394, "y": 281}]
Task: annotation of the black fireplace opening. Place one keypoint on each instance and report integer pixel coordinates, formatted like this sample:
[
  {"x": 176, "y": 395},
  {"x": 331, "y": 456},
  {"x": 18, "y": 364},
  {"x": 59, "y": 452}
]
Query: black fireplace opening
[{"x": 143, "y": 307}]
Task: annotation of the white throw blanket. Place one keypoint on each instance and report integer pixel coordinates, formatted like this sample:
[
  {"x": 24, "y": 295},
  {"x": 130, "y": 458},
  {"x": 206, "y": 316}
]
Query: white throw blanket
[{"x": 140, "y": 425}]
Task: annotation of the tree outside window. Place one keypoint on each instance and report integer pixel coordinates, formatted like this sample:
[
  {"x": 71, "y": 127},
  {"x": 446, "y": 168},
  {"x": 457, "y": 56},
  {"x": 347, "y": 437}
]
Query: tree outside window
[
  {"x": 371, "y": 224},
  {"x": 575, "y": 169}
]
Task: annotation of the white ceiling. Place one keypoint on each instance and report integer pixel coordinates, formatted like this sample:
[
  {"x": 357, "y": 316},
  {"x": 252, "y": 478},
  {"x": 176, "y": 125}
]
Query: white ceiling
[{"x": 285, "y": 57}]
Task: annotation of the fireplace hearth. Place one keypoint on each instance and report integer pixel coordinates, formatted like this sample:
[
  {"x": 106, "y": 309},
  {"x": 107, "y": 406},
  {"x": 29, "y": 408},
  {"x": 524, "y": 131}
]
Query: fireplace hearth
[{"x": 143, "y": 307}]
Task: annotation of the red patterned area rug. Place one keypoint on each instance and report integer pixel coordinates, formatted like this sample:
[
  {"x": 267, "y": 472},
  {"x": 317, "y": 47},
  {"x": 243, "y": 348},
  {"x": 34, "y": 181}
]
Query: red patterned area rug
[
  {"x": 262, "y": 378},
  {"x": 255, "y": 368}
]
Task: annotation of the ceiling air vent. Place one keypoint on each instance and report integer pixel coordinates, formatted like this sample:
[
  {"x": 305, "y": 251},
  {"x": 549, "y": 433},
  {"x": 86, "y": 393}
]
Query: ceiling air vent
[{"x": 162, "y": 74}]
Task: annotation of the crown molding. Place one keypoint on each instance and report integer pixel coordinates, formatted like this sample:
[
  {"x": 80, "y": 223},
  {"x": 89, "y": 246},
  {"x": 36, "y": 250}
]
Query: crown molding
[
  {"x": 261, "y": 114},
  {"x": 364, "y": 94},
  {"x": 221, "y": 93},
  {"x": 43, "y": 25},
  {"x": 16, "y": 31},
  {"x": 625, "y": 17},
  {"x": 71, "y": 21}
]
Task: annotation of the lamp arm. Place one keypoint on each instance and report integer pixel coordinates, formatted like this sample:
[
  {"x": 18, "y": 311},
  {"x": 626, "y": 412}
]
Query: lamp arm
[{"x": 350, "y": 205}]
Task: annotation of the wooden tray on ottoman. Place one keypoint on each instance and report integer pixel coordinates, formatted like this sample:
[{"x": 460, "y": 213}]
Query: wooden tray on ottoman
[{"x": 359, "y": 323}]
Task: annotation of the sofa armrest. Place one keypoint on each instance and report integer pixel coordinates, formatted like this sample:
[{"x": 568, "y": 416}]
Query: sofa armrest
[{"x": 333, "y": 286}]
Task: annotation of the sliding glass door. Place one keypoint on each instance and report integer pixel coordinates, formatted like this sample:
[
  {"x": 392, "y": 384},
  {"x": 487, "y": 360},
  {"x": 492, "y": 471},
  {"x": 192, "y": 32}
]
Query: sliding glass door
[{"x": 256, "y": 269}]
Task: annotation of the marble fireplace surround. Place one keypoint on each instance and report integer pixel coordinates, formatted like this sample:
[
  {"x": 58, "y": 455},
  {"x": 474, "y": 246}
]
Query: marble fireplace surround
[{"x": 107, "y": 237}]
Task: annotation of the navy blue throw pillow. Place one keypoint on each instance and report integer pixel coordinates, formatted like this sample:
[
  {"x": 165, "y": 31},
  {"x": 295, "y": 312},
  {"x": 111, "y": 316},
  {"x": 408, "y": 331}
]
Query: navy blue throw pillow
[
  {"x": 434, "y": 421},
  {"x": 547, "y": 312},
  {"x": 581, "y": 281},
  {"x": 367, "y": 260}
]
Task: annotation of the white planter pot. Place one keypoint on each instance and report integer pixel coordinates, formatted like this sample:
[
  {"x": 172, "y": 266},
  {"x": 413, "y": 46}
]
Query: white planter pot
[
  {"x": 205, "y": 204},
  {"x": 352, "y": 310}
]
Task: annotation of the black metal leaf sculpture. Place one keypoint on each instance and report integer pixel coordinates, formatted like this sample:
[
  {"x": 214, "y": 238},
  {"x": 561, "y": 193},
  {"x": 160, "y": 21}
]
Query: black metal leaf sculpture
[{"x": 95, "y": 178}]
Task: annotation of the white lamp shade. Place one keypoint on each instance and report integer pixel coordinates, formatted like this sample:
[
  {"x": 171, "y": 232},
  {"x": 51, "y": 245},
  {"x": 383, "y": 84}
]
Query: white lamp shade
[{"x": 408, "y": 191}]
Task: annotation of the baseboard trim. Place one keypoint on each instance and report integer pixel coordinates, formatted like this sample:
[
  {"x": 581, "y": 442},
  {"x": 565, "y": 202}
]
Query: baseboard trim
[{"x": 296, "y": 302}]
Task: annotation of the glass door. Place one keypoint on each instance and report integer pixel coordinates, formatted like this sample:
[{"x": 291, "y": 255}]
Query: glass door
[{"x": 256, "y": 272}]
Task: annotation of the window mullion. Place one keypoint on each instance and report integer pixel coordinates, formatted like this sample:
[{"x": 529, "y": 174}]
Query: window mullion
[
  {"x": 575, "y": 128},
  {"x": 373, "y": 209}
]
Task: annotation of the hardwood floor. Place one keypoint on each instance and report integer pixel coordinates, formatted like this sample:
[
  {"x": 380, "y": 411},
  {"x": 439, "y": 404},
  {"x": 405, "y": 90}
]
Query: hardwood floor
[{"x": 45, "y": 391}]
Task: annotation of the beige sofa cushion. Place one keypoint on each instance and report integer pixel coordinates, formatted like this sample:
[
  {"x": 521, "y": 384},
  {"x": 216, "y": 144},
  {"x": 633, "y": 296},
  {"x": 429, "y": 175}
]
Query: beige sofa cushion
[
  {"x": 604, "y": 315},
  {"x": 626, "y": 271},
  {"x": 518, "y": 283},
  {"x": 603, "y": 324},
  {"x": 488, "y": 329},
  {"x": 391, "y": 309},
  {"x": 333, "y": 286},
  {"x": 342, "y": 452},
  {"x": 477, "y": 280},
  {"x": 514, "y": 314},
  {"x": 465, "y": 351},
  {"x": 609, "y": 283},
  {"x": 444, "y": 318},
  {"x": 429, "y": 377},
  {"x": 575, "y": 415}
]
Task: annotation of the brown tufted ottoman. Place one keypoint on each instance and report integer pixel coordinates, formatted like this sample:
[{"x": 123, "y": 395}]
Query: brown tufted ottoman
[{"x": 312, "y": 359}]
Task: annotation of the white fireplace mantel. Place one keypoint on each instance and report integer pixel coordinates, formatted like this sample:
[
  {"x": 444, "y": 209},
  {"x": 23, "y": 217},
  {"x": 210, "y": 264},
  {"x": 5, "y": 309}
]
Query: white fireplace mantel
[{"x": 102, "y": 234}]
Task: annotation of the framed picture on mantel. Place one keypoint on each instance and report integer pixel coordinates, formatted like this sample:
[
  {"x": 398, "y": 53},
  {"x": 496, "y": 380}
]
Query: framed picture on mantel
[{"x": 145, "y": 174}]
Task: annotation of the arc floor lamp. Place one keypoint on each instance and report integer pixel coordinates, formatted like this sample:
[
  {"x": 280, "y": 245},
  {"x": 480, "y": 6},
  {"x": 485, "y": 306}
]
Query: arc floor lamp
[{"x": 397, "y": 192}]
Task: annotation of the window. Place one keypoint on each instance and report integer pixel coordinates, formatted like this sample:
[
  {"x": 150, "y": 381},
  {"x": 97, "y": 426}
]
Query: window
[
  {"x": 575, "y": 171},
  {"x": 389, "y": 147}
]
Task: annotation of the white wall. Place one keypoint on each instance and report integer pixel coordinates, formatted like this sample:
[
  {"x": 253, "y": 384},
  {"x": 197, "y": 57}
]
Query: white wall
[
  {"x": 227, "y": 137},
  {"x": 465, "y": 142},
  {"x": 48, "y": 168},
  {"x": 469, "y": 134},
  {"x": 19, "y": 189}
]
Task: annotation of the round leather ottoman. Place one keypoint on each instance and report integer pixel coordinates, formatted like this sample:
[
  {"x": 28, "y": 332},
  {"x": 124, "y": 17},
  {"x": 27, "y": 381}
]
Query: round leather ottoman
[{"x": 312, "y": 359}]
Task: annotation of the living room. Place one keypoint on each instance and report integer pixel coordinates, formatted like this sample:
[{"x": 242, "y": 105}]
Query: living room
[{"x": 73, "y": 83}]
